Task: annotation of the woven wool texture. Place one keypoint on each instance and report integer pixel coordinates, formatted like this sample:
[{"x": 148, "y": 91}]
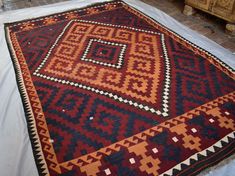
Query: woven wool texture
[{"x": 109, "y": 91}]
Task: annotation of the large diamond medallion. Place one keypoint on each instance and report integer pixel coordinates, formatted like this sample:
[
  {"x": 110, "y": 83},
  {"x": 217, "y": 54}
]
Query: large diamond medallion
[{"x": 119, "y": 62}]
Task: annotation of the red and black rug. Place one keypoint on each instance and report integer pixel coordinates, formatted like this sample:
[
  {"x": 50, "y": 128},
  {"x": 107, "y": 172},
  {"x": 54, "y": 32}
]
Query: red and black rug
[{"x": 109, "y": 91}]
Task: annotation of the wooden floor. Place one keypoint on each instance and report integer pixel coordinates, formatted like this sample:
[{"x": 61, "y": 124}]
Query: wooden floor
[{"x": 203, "y": 23}]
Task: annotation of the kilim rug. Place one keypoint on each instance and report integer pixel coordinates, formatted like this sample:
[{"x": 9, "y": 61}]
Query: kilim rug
[{"x": 109, "y": 91}]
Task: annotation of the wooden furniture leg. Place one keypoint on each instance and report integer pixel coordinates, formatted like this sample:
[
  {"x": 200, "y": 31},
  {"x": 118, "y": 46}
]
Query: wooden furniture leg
[
  {"x": 188, "y": 10},
  {"x": 230, "y": 28}
]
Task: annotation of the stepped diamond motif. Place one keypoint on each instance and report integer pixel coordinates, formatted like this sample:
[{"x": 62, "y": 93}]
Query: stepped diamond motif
[
  {"x": 84, "y": 52},
  {"x": 104, "y": 53}
]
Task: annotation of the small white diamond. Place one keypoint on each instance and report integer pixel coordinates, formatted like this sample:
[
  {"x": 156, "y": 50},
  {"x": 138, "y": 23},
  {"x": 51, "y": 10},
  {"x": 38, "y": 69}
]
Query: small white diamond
[
  {"x": 146, "y": 108},
  {"x": 175, "y": 139},
  {"x": 159, "y": 113},
  {"x": 51, "y": 140},
  {"x": 135, "y": 104},
  {"x": 227, "y": 113},
  {"x": 125, "y": 101},
  {"x": 211, "y": 120},
  {"x": 63, "y": 110},
  {"x": 193, "y": 130},
  {"x": 107, "y": 171},
  {"x": 164, "y": 114},
  {"x": 132, "y": 161},
  {"x": 155, "y": 150},
  {"x": 120, "y": 99},
  {"x": 152, "y": 110},
  {"x": 165, "y": 109},
  {"x": 91, "y": 118}
]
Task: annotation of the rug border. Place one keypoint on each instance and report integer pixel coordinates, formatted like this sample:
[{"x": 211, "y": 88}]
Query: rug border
[
  {"x": 26, "y": 106},
  {"x": 21, "y": 85}
]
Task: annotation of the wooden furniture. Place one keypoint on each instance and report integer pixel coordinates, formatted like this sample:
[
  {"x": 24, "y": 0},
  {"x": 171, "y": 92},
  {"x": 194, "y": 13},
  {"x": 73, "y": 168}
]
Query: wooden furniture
[
  {"x": 224, "y": 9},
  {"x": 2, "y": 5}
]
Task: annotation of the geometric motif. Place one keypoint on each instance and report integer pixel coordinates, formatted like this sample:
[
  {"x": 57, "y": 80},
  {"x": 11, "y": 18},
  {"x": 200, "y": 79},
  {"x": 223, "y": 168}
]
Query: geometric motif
[
  {"x": 104, "y": 53},
  {"x": 109, "y": 91},
  {"x": 138, "y": 78}
]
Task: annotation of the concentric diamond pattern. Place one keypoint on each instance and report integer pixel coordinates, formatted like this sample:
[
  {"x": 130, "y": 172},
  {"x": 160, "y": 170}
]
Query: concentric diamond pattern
[{"x": 132, "y": 52}]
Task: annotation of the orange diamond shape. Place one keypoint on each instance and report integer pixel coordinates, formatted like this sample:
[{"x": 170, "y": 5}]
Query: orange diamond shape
[{"x": 135, "y": 83}]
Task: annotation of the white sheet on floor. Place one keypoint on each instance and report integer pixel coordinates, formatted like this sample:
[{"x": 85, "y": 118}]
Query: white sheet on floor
[{"x": 16, "y": 157}]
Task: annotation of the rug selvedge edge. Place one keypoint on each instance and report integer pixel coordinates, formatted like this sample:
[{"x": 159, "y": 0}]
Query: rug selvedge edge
[
  {"x": 20, "y": 85},
  {"x": 29, "y": 116}
]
